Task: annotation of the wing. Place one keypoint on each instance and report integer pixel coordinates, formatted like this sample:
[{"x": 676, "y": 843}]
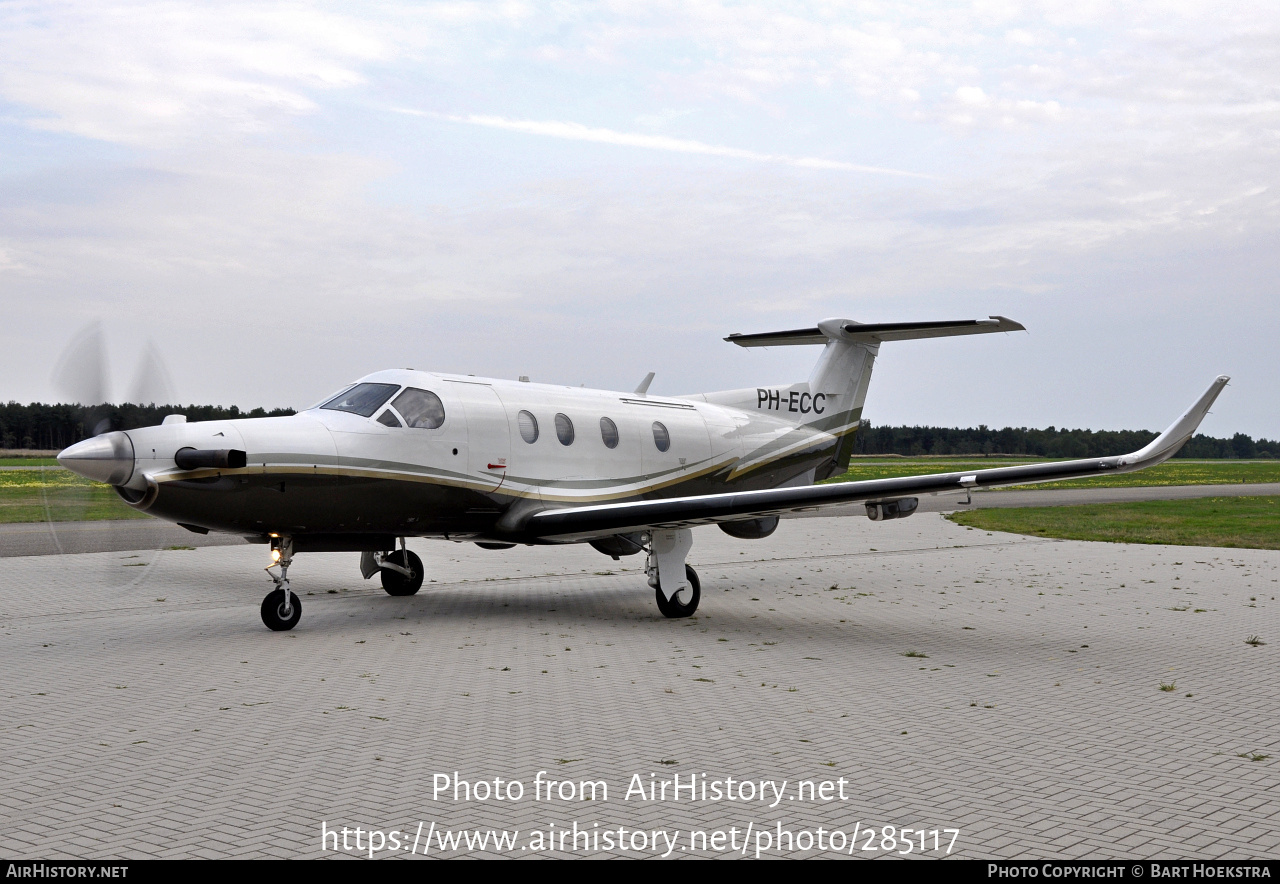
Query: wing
[{"x": 577, "y": 524}]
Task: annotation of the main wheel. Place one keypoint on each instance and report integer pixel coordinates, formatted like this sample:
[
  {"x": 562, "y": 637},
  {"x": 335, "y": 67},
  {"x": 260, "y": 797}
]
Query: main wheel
[
  {"x": 273, "y": 611},
  {"x": 396, "y": 583},
  {"x": 684, "y": 602}
]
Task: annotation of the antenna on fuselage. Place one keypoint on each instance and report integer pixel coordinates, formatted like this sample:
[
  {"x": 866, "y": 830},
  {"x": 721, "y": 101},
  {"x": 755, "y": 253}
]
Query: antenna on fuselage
[{"x": 643, "y": 389}]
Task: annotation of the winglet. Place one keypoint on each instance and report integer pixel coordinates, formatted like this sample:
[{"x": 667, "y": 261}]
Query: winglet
[
  {"x": 1167, "y": 443},
  {"x": 643, "y": 389}
]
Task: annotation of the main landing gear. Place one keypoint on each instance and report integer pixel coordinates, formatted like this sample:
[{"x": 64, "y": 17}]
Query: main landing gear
[
  {"x": 281, "y": 609},
  {"x": 684, "y": 601},
  {"x": 401, "y": 570},
  {"x": 675, "y": 585}
]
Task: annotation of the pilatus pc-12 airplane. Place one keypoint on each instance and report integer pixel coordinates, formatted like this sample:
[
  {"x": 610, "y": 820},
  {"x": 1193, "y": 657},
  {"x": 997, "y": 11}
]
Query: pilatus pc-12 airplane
[{"x": 406, "y": 453}]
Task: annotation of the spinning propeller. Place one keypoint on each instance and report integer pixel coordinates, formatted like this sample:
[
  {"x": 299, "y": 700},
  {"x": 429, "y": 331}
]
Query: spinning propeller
[{"x": 82, "y": 376}]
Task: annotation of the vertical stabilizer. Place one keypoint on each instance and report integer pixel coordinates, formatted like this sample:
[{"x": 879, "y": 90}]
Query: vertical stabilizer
[
  {"x": 839, "y": 381},
  {"x": 832, "y": 399}
]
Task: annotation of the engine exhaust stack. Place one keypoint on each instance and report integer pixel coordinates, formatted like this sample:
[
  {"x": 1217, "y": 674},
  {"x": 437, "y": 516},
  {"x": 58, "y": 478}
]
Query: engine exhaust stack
[{"x": 201, "y": 459}]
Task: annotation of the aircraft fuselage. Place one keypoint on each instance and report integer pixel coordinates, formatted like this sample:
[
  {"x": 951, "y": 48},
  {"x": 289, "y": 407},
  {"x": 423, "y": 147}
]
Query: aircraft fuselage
[{"x": 336, "y": 474}]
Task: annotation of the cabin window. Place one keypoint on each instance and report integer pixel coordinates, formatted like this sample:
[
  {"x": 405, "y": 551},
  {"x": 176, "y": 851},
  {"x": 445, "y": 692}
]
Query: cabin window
[
  {"x": 564, "y": 429},
  {"x": 421, "y": 409},
  {"x": 528, "y": 427},
  {"x": 609, "y": 433},
  {"x": 389, "y": 418},
  {"x": 362, "y": 399},
  {"x": 661, "y": 437}
]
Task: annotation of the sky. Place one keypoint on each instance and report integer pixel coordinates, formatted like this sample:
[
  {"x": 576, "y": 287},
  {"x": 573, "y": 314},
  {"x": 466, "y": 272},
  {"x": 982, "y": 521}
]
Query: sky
[{"x": 270, "y": 200}]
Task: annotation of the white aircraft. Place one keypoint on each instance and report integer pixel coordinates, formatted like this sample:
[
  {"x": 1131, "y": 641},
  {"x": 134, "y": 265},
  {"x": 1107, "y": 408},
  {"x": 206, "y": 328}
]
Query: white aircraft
[{"x": 406, "y": 453}]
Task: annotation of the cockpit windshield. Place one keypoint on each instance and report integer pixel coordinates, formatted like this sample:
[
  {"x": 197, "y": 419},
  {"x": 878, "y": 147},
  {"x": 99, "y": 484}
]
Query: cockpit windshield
[{"x": 362, "y": 399}]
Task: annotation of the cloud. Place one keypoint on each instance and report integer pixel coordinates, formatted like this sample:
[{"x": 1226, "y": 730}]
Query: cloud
[
  {"x": 579, "y": 132},
  {"x": 281, "y": 273},
  {"x": 159, "y": 74}
]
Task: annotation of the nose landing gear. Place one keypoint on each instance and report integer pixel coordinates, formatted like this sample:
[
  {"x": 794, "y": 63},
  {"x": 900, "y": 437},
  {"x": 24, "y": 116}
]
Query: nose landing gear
[{"x": 281, "y": 609}]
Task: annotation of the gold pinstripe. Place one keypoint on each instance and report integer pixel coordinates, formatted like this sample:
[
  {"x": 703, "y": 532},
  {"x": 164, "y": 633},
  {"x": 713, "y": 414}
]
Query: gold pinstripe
[
  {"x": 527, "y": 491},
  {"x": 750, "y": 466}
]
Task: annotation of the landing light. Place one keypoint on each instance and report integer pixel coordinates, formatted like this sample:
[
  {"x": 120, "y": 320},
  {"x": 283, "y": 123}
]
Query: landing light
[{"x": 275, "y": 555}]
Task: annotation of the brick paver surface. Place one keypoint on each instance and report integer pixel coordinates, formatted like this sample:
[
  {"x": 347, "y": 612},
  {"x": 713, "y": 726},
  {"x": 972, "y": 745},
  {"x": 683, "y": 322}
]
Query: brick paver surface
[{"x": 147, "y": 711}]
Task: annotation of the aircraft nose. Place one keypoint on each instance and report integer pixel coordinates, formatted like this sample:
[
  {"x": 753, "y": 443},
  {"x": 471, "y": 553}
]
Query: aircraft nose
[{"x": 106, "y": 458}]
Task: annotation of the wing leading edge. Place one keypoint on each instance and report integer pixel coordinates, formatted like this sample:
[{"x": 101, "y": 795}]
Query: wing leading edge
[{"x": 577, "y": 524}]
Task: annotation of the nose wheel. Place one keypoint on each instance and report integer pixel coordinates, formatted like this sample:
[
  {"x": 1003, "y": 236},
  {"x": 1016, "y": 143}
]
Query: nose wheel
[{"x": 281, "y": 610}]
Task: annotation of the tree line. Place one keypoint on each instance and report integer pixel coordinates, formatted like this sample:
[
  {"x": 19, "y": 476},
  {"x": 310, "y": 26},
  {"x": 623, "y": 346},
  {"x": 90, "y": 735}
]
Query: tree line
[
  {"x": 50, "y": 427},
  {"x": 1049, "y": 442}
]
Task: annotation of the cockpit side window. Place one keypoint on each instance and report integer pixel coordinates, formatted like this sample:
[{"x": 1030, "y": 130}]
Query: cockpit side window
[
  {"x": 362, "y": 399},
  {"x": 421, "y": 409},
  {"x": 388, "y": 418}
]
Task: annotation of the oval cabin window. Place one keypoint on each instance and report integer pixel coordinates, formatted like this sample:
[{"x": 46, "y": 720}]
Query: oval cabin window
[
  {"x": 564, "y": 429},
  {"x": 528, "y": 427},
  {"x": 609, "y": 433},
  {"x": 661, "y": 437}
]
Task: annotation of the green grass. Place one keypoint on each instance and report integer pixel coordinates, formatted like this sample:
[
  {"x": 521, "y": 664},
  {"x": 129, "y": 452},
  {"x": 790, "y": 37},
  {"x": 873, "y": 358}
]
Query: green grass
[
  {"x": 28, "y": 461},
  {"x": 1243, "y": 522},
  {"x": 1174, "y": 472},
  {"x": 57, "y": 495}
]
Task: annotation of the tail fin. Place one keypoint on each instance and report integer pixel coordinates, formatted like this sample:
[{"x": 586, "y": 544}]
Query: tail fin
[{"x": 837, "y": 388}]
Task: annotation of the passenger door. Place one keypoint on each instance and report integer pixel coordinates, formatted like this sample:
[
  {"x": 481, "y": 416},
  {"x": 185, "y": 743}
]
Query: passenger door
[{"x": 488, "y": 432}]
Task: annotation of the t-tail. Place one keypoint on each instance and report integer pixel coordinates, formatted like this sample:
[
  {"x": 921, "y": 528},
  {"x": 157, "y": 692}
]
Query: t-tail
[{"x": 832, "y": 398}]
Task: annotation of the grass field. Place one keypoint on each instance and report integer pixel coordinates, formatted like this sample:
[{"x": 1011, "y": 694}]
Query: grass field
[
  {"x": 57, "y": 495},
  {"x": 1173, "y": 472},
  {"x": 1244, "y": 522},
  {"x": 28, "y": 461}
]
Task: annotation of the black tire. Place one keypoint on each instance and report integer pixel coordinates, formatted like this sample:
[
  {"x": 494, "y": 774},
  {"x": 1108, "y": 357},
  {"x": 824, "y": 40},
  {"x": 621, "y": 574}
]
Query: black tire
[
  {"x": 683, "y": 603},
  {"x": 396, "y": 583},
  {"x": 273, "y": 611}
]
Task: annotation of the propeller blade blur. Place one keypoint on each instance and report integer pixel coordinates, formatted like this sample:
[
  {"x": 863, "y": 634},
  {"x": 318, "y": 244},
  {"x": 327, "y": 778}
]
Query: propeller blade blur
[
  {"x": 81, "y": 372},
  {"x": 152, "y": 385}
]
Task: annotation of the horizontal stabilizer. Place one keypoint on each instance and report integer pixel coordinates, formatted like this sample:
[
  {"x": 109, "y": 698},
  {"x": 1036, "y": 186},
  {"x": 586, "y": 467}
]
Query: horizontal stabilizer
[{"x": 848, "y": 330}]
